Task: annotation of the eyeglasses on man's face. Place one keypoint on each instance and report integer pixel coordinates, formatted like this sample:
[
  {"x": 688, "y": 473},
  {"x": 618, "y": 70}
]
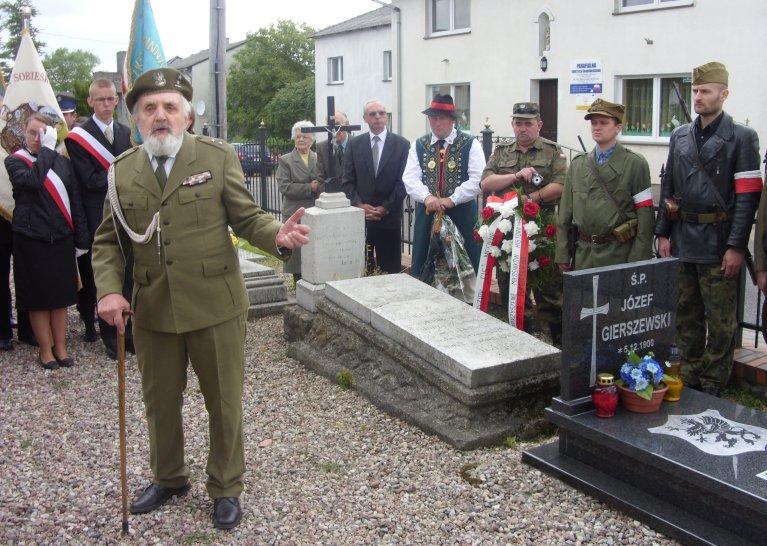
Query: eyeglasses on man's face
[
  {"x": 373, "y": 113},
  {"x": 105, "y": 100}
]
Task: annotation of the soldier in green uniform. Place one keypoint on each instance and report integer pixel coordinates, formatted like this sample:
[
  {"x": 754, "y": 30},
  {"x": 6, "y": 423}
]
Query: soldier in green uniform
[
  {"x": 709, "y": 193},
  {"x": 607, "y": 197},
  {"x": 538, "y": 167},
  {"x": 170, "y": 202}
]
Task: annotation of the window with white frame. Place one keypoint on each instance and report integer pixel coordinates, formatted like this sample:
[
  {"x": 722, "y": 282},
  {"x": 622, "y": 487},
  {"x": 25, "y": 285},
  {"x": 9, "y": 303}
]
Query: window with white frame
[
  {"x": 461, "y": 93},
  {"x": 652, "y": 108},
  {"x": 387, "y": 65},
  {"x": 335, "y": 70},
  {"x": 627, "y": 6},
  {"x": 446, "y": 16}
]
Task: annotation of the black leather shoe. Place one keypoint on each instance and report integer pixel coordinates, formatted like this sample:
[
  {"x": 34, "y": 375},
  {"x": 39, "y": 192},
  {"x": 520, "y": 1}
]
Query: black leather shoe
[
  {"x": 50, "y": 365},
  {"x": 111, "y": 352},
  {"x": 712, "y": 390},
  {"x": 6, "y": 344},
  {"x": 65, "y": 362},
  {"x": 155, "y": 496},
  {"x": 226, "y": 513},
  {"x": 90, "y": 334}
]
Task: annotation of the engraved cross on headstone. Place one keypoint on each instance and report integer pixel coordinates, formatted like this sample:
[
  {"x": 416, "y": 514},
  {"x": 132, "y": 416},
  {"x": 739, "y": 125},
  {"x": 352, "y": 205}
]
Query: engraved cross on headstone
[
  {"x": 332, "y": 180},
  {"x": 593, "y": 312}
]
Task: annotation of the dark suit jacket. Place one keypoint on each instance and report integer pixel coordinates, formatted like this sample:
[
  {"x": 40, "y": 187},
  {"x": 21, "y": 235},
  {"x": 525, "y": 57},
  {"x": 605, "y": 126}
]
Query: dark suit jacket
[
  {"x": 90, "y": 175},
  {"x": 322, "y": 158},
  {"x": 385, "y": 189}
]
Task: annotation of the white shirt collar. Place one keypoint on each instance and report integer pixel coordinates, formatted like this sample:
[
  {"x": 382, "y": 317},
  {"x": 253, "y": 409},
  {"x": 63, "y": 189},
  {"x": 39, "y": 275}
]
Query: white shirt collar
[
  {"x": 101, "y": 125},
  {"x": 381, "y": 135},
  {"x": 449, "y": 139}
]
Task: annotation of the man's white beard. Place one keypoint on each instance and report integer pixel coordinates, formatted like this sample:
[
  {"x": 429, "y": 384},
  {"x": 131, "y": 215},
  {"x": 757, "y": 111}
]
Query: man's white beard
[{"x": 168, "y": 147}]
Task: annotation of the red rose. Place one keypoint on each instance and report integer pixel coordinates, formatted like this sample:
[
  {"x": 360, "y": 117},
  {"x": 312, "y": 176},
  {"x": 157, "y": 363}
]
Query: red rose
[
  {"x": 477, "y": 236},
  {"x": 531, "y": 208},
  {"x": 487, "y": 213},
  {"x": 551, "y": 230},
  {"x": 543, "y": 261}
]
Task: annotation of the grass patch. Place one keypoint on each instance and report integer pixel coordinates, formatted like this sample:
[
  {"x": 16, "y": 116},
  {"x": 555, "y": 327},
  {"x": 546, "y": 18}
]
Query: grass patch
[
  {"x": 344, "y": 379},
  {"x": 511, "y": 442},
  {"x": 26, "y": 444},
  {"x": 200, "y": 537},
  {"x": 330, "y": 467},
  {"x": 744, "y": 397}
]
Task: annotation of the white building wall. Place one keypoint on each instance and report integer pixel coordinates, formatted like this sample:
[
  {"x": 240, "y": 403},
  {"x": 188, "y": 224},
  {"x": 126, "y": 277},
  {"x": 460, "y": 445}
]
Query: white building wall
[
  {"x": 362, "y": 52},
  {"x": 499, "y": 58}
]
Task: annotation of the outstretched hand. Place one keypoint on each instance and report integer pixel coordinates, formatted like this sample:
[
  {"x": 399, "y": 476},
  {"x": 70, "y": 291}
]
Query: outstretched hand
[{"x": 293, "y": 234}]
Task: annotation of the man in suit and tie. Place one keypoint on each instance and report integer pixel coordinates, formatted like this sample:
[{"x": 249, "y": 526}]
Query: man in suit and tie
[
  {"x": 372, "y": 180},
  {"x": 339, "y": 148},
  {"x": 92, "y": 149}
]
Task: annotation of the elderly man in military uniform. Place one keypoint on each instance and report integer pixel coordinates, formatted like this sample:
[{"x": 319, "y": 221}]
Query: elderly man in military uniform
[
  {"x": 538, "y": 167},
  {"x": 607, "y": 198},
  {"x": 442, "y": 173},
  {"x": 170, "y": 203},
  {"x": 708, "y": 199}
]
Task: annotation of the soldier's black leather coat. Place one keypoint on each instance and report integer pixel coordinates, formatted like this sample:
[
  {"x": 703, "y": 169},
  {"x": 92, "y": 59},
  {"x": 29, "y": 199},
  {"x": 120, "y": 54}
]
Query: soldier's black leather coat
[{"x": 733, "y": 148}]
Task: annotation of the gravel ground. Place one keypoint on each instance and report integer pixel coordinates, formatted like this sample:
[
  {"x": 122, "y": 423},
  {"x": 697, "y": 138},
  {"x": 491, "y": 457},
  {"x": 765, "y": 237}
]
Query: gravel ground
[{"x": 324, "y": 466}]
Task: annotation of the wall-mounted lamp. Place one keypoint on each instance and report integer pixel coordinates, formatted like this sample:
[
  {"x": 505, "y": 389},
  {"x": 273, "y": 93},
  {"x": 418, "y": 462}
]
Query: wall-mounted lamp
[{"x": 544, "y": 64}]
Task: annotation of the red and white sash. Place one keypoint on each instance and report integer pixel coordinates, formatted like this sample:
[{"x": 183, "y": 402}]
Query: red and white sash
[
  {"x": 518, "y": 273},
  {"x": 53, "y": 185},
  {"x": 92, "y": 146}
]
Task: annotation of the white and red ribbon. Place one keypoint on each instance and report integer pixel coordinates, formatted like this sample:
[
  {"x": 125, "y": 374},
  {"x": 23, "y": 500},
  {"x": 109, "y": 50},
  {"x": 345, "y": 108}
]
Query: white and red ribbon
[
  {"x": 487, "y": 261},
  {"x": 92, "y": 146},
  {"x": 518, "y": 273},
  {"x": 53, "y": 185}
]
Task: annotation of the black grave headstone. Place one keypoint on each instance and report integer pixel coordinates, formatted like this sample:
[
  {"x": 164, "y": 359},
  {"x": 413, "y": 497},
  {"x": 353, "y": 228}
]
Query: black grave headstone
[{"x": 610, "y": 311}]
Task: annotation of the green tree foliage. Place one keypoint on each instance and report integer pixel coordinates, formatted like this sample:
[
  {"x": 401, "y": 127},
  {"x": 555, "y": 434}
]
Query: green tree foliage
[
  {"x": 80, "y": 91},
  {"x": 293, "y": 102},
  {"x": 273, "y": 65},
  {"x": 11, "y": 24},
  {"x": 65, "y": 67}
]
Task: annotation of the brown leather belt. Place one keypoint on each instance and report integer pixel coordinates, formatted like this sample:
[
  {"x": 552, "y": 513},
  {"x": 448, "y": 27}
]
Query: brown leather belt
[
  {"x": 597, "y": 239},
  {"x": 703, "y": 218}
]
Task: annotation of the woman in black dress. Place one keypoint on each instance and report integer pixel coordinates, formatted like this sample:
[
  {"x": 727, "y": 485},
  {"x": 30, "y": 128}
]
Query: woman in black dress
[{"x": 48, "y": 226}]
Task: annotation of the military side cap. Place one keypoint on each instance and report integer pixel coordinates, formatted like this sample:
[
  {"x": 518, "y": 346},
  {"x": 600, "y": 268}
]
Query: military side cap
[
  {"x": 156, "y": 81},
  {"x": 713, "y": 72},
  {"x": 526, "y": 110},
  {"x": 67, "y": 102},
  {"x": 604, "y": 108},
  {"x": 441, "y": 104}
]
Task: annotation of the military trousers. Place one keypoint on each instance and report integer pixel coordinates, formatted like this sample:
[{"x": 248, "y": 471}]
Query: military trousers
[
  {"x": 706, "y": 324},
  {"x": 216, "y": 354}
]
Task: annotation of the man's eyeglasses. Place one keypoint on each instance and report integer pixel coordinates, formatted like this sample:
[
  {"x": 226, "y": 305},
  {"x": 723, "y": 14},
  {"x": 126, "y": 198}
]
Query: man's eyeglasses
[
  {"x": 377, "y": 113},
  {"x": 105, "y": 100}
]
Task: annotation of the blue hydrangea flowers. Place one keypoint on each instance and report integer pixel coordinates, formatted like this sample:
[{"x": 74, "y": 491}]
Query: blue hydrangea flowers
[{"x": 641, "y": 375}]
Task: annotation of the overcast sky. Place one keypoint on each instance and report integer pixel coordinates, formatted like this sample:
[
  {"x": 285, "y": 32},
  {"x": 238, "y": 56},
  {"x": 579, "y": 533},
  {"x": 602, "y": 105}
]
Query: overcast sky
[{"x": 103, "y": 26}]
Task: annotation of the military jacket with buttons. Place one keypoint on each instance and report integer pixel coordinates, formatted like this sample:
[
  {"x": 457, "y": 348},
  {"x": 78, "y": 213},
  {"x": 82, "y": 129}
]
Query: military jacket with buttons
[
  {"x": 193, "y": 279},
  {"x": 585, "y": 204},
  {"x": 544, "y": 156}
]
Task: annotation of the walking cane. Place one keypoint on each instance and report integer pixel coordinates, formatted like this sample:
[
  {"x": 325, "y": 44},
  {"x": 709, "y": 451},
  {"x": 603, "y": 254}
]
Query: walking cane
[{"x": 121, "y": 404}]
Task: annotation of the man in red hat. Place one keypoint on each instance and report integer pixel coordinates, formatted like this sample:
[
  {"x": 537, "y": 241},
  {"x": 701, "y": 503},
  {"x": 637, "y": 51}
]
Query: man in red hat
[{"x": 443, "y": 171}]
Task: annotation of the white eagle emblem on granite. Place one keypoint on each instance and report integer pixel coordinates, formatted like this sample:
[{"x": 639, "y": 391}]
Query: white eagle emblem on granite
[{"x": 714, "y": 434}]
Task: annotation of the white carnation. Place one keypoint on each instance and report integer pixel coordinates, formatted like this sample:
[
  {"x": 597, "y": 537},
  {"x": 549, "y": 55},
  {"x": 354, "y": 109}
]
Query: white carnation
[
  {"x": 531, "y": 246},
  {"x": 507, "y": 245},
  {"x": 507, "y": 209},
  {"x": 504, "y": 226},
  {"x": 495, "y": 251},
  {"x": 532, "y": 266},
  {"x": 484, "y": 231},
  {"x": 531, "y": 228},
  {"x": 504, "y": 265}
]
